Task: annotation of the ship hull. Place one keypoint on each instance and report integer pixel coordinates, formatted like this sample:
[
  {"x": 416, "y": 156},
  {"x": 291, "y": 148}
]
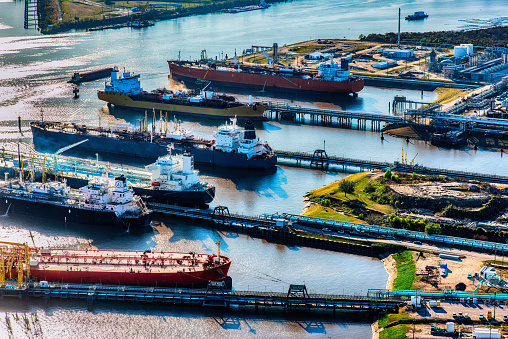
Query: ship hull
[
  {"x": 265, "y": 80},
  {"x": 67, "y": 213},
  {"x": 188, "y": 198},
  {"x": 136, "y": 278},
  {"x": 51, "y": 141},
  {"x": 254, "y": 112}
]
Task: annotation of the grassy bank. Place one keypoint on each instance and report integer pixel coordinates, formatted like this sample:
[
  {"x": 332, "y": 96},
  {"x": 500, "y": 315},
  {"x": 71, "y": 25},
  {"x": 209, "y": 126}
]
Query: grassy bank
[
  {"x": 332, "y": 203},
  {"x": 406, "y": 270},
  {"x": 405, "y": 276}
]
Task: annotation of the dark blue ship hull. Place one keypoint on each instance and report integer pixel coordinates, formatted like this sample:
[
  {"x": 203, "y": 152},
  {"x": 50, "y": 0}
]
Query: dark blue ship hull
[
  {"x": 197, "y": 197},
  {"x": 187, "y": 198},
  {"x": 51, "y": 141},
  {"x": 68, "y": 213}
]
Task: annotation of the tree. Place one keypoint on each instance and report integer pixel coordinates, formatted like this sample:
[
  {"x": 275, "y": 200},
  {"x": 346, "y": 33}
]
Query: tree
[
  {"x": 347, "y": 186},
  {"x": 433, "y": 228}
]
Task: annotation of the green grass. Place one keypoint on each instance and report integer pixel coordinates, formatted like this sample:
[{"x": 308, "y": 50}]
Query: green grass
[
  {"x": 361, "y": 180},
  {"x": 406, "y": 270},
  {"x": 319, "y": 211},
  {"x": 395, "y": 332},
  {"x": 390, "y": 318}
]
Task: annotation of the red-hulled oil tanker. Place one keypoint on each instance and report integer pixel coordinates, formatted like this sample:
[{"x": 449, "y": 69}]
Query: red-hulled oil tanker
[
  {"x": 110, "y": 267},
  {"x": 329, "y": 78}
]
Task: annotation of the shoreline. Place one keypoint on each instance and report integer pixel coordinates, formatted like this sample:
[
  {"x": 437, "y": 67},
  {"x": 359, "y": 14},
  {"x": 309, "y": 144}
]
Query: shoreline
[
  {"x": 85, "y": 24},
  {"x": 391, "y": 269}
]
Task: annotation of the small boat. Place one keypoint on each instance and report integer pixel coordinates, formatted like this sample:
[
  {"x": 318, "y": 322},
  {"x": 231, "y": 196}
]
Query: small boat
[
  {"x": 141, "y": 24},
  {"x": 90, "y": 76},
  {"x": 417, "y": 16}
]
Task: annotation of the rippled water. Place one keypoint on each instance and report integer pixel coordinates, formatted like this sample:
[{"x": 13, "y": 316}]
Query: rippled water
[{"x": 33, "y": 71}]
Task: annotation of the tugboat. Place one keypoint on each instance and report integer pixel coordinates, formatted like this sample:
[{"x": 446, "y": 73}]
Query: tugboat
[
  {"x": 124, "y": 90},
  {"x": 174, "y": 180},
  {"x": 101, "y": 202},
  {"x": 417, "y": 16}
]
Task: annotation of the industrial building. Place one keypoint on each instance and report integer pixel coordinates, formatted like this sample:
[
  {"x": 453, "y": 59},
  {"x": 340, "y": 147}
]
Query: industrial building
[{"x": 398, "y": 53}]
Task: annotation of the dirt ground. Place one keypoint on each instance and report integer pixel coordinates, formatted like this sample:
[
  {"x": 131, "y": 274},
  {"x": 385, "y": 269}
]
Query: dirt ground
[{"x": 457, "y": 272}]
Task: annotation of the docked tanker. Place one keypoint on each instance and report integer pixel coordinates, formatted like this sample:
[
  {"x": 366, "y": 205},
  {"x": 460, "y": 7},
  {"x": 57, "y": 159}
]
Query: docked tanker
[
  {"x": 330, "y": 77},
  {"x": 124, "y": 90},
  {"x": 102, "y": 202},
  {"x": 113, "y": 267},
  {"x": 233, "y": 146}
]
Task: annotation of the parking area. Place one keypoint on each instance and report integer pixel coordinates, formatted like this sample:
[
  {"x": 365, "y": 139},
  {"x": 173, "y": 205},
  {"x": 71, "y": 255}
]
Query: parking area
[{"x": 465, "y": 312}]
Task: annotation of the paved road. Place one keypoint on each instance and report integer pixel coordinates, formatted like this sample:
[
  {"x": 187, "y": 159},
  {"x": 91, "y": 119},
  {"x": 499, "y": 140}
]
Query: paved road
[{"x": 420, "y": 247}]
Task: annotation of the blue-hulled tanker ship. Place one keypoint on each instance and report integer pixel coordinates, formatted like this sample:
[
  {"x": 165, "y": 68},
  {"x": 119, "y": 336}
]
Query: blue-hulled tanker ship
[{"x": 233, "y": 147}]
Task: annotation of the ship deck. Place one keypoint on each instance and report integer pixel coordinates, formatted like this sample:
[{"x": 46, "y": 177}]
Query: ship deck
[{"x": 124, "y": 261}]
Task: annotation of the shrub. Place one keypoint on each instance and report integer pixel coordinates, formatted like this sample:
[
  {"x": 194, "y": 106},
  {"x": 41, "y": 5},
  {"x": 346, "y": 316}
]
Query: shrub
[{"x": 433, "y": 228}]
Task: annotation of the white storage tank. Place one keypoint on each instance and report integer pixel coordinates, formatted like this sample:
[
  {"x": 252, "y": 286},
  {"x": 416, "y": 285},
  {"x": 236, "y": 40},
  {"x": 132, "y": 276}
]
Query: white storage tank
[
  {"x": 450, "y": 327},
  {"x": 469, "y": 48},
  {"x": 459, "y": 51}
]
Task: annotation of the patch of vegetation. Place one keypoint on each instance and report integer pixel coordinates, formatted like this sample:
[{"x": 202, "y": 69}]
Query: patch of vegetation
[
  {"x": 497, "y": 262},
  {"x": 306, "y": 49},
  {"x": 395, "y": 332},
  {"x": 392, "y": 318},
  {"x": 347, "y": 186},
  {"x": 320, "y": 211},
  {"x": 492, "y": 207},
  {"x": 355, "y": 204},
  {"x": 446, "y": 95},
  {"x": 49, "y": 14},
  {"x": 407, "y": 223},
  {"x": 406, "y": 270}
]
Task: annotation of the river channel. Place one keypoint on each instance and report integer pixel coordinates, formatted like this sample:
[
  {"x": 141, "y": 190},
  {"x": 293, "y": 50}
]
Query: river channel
[{"x": 33, "y": 71}]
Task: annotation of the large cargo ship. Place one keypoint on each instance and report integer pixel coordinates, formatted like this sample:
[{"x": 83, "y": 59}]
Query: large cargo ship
[
  {"x": 113, "y": 267},
  {"x": 330, "y": 77},
  {"x": 101, "y": 202},
  {"x": 124, "y": 90},
  {"x": 234, "y": 147}
]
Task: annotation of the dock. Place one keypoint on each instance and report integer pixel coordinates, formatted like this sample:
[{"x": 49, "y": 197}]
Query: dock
[
  {"x": 283, "y": 111},
  {"x": 215, "y": 295},
  {"x": 320, "y": 159},
  {"x": 268, "y": 226}
]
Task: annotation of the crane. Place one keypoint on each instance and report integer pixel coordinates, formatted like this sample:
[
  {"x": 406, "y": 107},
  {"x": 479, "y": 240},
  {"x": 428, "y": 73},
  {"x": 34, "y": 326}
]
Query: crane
[
  {"x": 267, "y": 58},
  {"x": 411, "y": 163},
  {"x": 22, "y": 252}
]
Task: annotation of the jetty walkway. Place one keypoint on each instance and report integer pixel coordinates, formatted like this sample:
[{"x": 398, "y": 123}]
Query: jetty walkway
[
  {"x": 319, "y": 159},
  {"x": 216, "y": 295},
  {"x": 272, "y": 226},
  {"x": 277, "y": 110}
]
